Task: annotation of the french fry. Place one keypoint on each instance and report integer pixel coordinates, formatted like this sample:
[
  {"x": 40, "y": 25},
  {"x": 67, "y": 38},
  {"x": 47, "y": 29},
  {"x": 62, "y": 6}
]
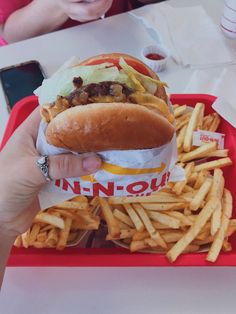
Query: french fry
[
  {"x": 215, "y": 123},
  {"x": 33, "y": 233},
  {"x": 210, "y": 165},
  {"x": 52, "y": 238},
  {"x": 134, "y": 217},
  {"x": 127, "y": 233},
  {"x": 216, "y": 219},
  {"x": 220, "y": 235},
  {"x": 219, "y": 153},
  {"x": 124, "y": 234},
  {"x": 18, "y": 241},
  {"x": 207, "y": 120},
  {"x": 159, "y": 226},
  {"x": 64, "y": 234},
  {"x": 180, "y": 154},
  {"x": 200, "y": 152},
  {"x": 200, "y": 118},
  {"x": 140, "y": 235},
  {"x": 123, "y": 217},
  {"x": 188, "y": 196},
  {"x": 217, "y": 192},
  {"x": 81, "y": 217},
  {"x": 163, "y": 207},
  {"x": 86, "y": 226},
  {"x": 80, "y": 198},
  {"x": 41, "y": 236},
  {"x": 113, "y": 226},
  {"x": 154, "y": 234},
  {"x": 203, "y": 234},
  {"x": 203, "y": 174},
  {"x": 200, "y": 195},
  {"x": 173, "y": 236},
  {"x": 137, "y": 245},
  {"x": 178, "y": 111},
  {"x": 185, "y": 220},
  {"x": 123, "y": 226},
  {"x": 187, "y": 189},
  {"x": 50, "y": 219},
  {"x": 39, "y": 245},
  {"x": 193, "y": 231},
  {"x": 25, "y": 239},
  {"x": 184, "y": 120},
  {"x": 46, "y": 228},
  {"x": 193, "y": 177},
  {"x": 192, "y": 126},
  {"x": 187, "y": 212},
  {"x": 158, "y": 197},
  {"x": 73, "y": 205},
  {"x": 94, "y": 203},
  {"x": 217, "y": 185},
  {"x": 226, "y": 247},
  {"x": 231, "y": 228},
  {"x": 180, "y": 137},
  {"x": 150, "y": 242},
  {"x": 171, "y": 222},
  {"x": 178, "y": 187}
]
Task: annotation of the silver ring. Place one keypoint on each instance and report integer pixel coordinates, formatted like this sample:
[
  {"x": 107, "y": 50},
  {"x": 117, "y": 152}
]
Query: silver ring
[{"x": 43, "y": 164}]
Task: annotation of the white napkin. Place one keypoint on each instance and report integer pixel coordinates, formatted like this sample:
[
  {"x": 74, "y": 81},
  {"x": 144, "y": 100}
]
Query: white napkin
[
  {"x": 191, "y": 35},
  {"x": 220, "y": 83}
]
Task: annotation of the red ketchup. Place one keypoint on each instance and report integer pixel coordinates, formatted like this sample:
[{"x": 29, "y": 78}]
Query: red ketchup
[{"x": 154, "y": 56}]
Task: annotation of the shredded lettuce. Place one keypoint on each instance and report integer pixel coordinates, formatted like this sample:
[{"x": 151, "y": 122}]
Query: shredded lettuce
[{"x": 61, "y": 83}]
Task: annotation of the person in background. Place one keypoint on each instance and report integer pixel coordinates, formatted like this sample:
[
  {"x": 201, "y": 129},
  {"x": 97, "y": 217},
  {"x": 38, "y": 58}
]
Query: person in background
[
  {"x": 21, "y": 179},
  {"x": 22, "y": 19}
]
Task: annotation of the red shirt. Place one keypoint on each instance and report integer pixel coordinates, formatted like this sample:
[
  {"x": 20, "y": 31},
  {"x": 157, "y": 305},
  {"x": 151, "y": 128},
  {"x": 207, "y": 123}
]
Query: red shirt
[{"x": 9, "y": 6}]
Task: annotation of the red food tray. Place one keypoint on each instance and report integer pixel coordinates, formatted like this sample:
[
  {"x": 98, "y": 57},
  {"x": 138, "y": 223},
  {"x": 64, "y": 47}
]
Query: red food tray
[{"x": 119, "y": 256}]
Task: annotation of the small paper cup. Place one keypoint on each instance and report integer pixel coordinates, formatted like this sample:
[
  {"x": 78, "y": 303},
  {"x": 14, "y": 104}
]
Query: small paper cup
[
  {"x": 156, "y": 65},
  {"x": 228, "y": 27}
]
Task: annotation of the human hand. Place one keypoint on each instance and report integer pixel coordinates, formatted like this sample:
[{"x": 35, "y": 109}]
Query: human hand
[
  {"x": 21, "y": 179},
  {"x": 84, "y": 10}
]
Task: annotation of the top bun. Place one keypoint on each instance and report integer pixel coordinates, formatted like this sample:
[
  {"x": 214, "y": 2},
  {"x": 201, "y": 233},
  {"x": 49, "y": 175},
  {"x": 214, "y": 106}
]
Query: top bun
[{"x": 109, "y": 126}]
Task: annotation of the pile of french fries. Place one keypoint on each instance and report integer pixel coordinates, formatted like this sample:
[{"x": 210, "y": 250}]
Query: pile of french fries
[
  {"x": 61, "y": 224},
  {"x": 187, "y": 216}
]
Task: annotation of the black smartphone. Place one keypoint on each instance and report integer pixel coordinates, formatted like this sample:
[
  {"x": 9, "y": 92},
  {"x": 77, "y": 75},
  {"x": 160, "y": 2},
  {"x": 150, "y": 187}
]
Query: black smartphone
[{"x": 20, "y": 80}]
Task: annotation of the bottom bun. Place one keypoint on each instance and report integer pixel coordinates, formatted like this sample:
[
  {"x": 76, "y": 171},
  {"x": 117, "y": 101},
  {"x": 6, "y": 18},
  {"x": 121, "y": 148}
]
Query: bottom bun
[{"x": 108, "y": 126}]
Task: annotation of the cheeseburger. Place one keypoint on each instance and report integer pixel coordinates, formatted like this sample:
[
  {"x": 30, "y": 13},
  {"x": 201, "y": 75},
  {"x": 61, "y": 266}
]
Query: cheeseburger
[{"x": 108, "y": 102}]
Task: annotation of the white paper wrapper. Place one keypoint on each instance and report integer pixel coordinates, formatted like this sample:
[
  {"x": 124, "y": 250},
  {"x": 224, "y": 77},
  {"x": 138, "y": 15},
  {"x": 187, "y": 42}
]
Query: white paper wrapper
[{"x": 124, "y": 173}]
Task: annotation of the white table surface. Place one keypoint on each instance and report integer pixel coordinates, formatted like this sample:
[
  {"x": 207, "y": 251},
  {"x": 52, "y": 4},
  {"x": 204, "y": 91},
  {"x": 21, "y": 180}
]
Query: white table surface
[{"x": 111, "y": 290}]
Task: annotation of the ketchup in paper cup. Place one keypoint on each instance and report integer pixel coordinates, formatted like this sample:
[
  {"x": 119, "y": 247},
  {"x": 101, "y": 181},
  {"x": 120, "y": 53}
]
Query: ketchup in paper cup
[{"x": 155, "y": 56}]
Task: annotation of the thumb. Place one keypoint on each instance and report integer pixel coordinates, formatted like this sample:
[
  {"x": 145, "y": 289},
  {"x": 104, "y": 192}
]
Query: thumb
[{"x": 69, "y": 165}]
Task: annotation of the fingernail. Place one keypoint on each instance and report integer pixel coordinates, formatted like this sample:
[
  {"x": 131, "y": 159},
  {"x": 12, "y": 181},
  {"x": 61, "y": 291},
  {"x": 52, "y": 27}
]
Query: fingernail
[{"x": 91, "y": 163}]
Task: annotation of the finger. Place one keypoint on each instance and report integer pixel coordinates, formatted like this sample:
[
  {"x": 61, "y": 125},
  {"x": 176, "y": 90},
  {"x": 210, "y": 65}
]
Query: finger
[
  {"x": 69, "y": 166},
  {"x": 31, "y": 124},
  {"x": 89, "y": 11}
]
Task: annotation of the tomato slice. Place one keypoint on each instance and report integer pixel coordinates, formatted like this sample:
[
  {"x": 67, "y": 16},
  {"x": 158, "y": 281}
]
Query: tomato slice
[{"x": 133, "y": 63}]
